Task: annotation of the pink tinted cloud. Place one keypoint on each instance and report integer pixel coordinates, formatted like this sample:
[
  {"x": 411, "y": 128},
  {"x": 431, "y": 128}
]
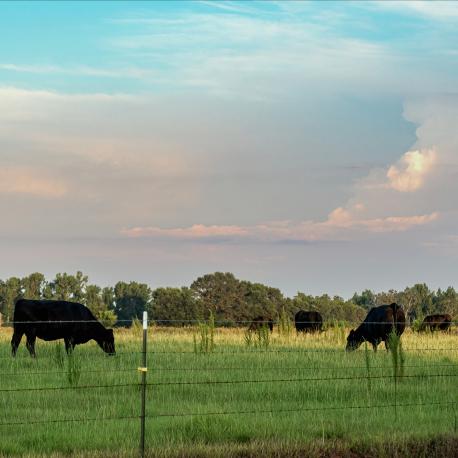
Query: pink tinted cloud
[
  {"x": 196, "y": 231},
  {"x": 339, "y": 225}
]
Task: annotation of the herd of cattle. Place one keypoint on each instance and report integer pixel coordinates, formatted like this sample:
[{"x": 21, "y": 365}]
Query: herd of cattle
[
  {"x": 73, "y": 322},
  {"x": 379, "y": 323}
]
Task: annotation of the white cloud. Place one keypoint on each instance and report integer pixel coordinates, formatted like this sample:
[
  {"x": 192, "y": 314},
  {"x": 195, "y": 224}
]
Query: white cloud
[
  {"x": 443, "y": 10},
  {"x": 80, "y": 70},
  {"x": 259, "y": 55},
  {"x": 410, "y": 172}
]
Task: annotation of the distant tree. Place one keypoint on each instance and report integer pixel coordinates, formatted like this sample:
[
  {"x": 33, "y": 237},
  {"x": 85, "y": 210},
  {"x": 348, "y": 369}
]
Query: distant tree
[
  {"x": 130, "y": 300},
  {"x": 446, "y": 302},
  {"x": 259, "y": 300},
  {"x": 366, "y": 299},
  {"x": 10, "y": 291},
  {"x": 179, "y": 305},
  {"x": 33, "y": 286},
  {"x": 108, "y": 297},
  {"x": 93, "y": 299},
  {"x": 67, "y": 287},
  {"x": 417, "y": 301},
  {"x": 409, "y": 301},
  {"x": 302, "y": 301},
  {"x": 228, "y": 298},
  {"x": 387, "y": 297},
  {"x": 218, "y": 292}
]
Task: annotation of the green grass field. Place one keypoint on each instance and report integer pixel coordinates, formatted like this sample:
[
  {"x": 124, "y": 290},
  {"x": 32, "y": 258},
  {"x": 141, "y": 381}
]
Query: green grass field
[{"x": 322, "y": 398}]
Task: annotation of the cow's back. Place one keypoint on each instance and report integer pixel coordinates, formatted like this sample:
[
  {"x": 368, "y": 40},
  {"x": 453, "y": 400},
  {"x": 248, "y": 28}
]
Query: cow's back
[
  {"x": 35, "y": 310},
  {"x": 380, "y": 320},
  {"x": 437, "y": 321},
  {"x": 308, "y": 320}
]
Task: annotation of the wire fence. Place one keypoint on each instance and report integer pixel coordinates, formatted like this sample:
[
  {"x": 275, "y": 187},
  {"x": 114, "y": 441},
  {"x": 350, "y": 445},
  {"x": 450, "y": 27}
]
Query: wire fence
[
  {"x": 234, "y": 412},
  {"x": 222, "y": 323},
  {"x": 222, "y": 382},
  {"x": 150, "y": 387}
]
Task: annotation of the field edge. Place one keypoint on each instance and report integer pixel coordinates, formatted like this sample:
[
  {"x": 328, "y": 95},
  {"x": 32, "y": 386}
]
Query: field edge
[{"x": 444, "y": 446}]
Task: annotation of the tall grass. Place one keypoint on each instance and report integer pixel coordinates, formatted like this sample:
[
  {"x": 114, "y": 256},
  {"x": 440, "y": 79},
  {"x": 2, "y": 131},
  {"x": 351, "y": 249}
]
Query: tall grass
[
  {"x": 367, "y": 360},
  {"x": 285, "y": 324},
  {"x": 204, "y": 337},
  {"x": 73, "y": 369},
  {"x": 59, "y": 356}
]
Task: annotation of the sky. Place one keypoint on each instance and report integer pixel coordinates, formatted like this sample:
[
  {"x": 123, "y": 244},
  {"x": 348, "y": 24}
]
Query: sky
[{"x": 310, "y": 146}]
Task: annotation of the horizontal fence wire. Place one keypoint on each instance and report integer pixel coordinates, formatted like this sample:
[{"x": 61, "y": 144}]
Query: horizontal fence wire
[
  {"x": 311, "y": 409},
  {"x": 233, "y": 412},
  {"x": 226, "y": 368},
  {"x": 281, "y": 350},
  {"x": 228, "y": 322},
  {"x": 296, "y": 380},
  {"x": 91, "y": 371},
  {"x": 224, "y": 323},
  {"x": 225, "y": 382},
  {"x": 289, "y": 368},
  {"x": 64, "y": 388},
  {"x": 68, "y": 420},
  {"x": 236, "y": 352}
]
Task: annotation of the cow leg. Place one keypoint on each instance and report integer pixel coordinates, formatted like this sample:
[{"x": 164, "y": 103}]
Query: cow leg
[
  {"x": 69, "y": 346},
  {"x": 374, "y": 345},
  {"x": 15, "y": 341},
  {"x": 30, "y": 344}
]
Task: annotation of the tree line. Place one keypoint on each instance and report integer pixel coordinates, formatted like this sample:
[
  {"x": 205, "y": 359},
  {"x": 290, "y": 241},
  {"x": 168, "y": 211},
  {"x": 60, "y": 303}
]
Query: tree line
[{"x": 230, "y": 301}]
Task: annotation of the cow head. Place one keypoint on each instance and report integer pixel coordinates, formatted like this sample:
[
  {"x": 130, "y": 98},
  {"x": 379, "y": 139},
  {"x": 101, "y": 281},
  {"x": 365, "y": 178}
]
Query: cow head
[
  {"x": 353, "y": 340},
  {"x": 108, "y": 344}
]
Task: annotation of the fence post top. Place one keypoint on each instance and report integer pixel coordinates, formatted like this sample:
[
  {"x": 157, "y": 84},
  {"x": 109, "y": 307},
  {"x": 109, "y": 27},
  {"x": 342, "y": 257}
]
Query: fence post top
[{"x": 145, "y": 319}]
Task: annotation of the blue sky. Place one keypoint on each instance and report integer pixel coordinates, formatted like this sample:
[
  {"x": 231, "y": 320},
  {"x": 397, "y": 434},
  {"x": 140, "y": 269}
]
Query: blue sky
[{"x": 308, "y": 145}]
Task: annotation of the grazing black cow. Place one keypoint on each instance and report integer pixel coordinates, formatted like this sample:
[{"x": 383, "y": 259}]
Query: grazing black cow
[
  {"x": 52, "y": 320},
  {"x": 378, "y": 325},
  {"x": 308, "y": 321},
  {"x": 436, "y": 322},
  {"x": 259, "y": 322}
]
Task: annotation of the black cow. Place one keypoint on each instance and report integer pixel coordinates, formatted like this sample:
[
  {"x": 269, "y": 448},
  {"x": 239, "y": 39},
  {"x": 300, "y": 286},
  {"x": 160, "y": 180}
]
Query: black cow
[
  {"x": 259, "y": 322},
  {"x": 308, "y": 321},
  {"x": 378, "y": 325},
  {"x": 436, "y": 322},
  {"x": 52, "y": 320}
]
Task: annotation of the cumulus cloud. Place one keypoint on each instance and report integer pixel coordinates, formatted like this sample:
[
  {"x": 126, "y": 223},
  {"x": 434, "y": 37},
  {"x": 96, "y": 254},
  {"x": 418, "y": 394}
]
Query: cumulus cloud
[
  {"x": 410, "y": 172},
  {"x": 418, "y": 188},
  {"x": 410, "y": 193},
  {"x": 17, "y": 180}
]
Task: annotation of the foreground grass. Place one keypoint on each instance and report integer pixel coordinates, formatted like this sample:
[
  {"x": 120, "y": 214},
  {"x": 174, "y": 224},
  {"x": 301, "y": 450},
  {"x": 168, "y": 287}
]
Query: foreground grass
[
  {"x": 284, "y": 410},
  {"x": 439, "y": 446}
]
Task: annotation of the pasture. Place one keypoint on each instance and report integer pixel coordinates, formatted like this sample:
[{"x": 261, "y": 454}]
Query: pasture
[{"x": 293, "y": 394}]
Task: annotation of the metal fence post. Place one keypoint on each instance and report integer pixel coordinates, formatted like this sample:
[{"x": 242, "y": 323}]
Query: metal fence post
[{"x": 143, "y": 370}]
